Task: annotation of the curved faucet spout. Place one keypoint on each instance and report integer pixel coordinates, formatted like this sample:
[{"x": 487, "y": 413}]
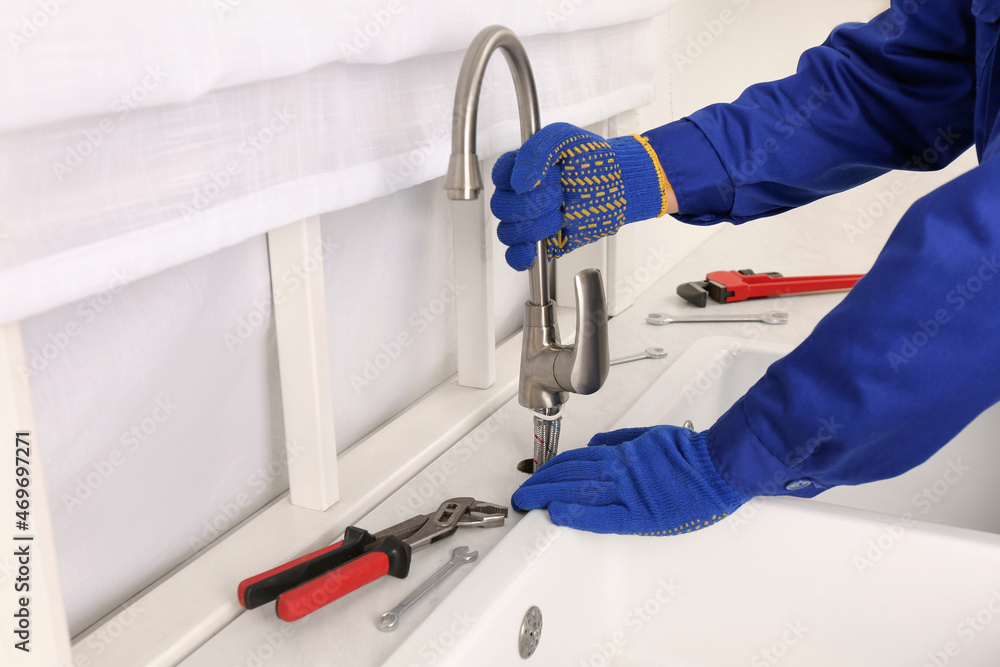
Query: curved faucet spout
[
  {"x": 464, "y": 181},
  {"x": 550, "y": 371}
]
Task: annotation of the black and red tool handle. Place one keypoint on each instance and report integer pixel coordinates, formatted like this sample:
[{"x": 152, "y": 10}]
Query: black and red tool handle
[
  {"x": 267, "y": 586},
  {"x": 391, "y": 557},
  {"x": 305, "y": 584}
]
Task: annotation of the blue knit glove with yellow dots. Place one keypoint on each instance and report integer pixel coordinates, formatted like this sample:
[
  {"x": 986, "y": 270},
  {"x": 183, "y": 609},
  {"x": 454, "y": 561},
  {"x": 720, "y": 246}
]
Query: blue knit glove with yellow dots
[
  {"x": 634, "y": 481},
  {"x": 573, "y": 187}
]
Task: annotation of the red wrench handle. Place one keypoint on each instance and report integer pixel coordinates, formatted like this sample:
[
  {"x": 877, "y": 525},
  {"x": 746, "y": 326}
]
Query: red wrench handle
[
  {"x": 266, "y": 586},
  {"x": 797, "y": 284},
  {"x": 392, "y": 557},
  {"x": 738, "y": 286}
]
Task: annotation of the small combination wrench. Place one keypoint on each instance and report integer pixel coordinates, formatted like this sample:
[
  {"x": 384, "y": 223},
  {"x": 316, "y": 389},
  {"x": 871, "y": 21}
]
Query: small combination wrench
[
  {"x": 387, "y": 622},
  {"x": 769, "y": 317},
  {"x": 648, "y": 353}
]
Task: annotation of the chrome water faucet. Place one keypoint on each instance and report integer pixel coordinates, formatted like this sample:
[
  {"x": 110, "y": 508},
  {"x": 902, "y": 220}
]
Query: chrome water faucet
[{"x": 550, "y": 371}]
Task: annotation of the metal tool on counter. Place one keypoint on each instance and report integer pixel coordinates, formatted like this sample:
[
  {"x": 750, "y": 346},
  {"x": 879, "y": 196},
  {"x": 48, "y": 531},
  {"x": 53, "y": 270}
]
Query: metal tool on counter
[
  {"x": 305, "y": 584},
  {"x": 387, "y": 622},
  {"x": 769, "y": 317},
  {"x": 648, "y": 353},
  {"x": 729, "y": 286}
]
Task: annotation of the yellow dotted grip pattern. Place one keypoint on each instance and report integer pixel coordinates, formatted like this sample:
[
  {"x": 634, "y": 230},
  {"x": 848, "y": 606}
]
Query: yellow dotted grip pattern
[
  {"x": 687, "y": 527},
  {"x": 593, "y": 196}
]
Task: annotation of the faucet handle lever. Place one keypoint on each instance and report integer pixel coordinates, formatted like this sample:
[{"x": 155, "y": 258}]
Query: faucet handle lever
[{"x": 583, "y": 367}]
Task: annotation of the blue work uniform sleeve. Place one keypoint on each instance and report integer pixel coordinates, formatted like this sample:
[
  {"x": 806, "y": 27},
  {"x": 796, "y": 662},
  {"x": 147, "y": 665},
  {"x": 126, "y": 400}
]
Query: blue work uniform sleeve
[
  {"x": 910, "y": 356},
  {"x": 895, "y": 93}
]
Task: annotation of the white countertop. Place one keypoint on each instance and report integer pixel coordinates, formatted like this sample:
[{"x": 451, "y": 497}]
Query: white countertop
[{"x": 822, "y": 238}]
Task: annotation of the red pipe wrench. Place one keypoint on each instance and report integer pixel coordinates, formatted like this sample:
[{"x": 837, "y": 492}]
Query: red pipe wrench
[{"x": 729, "y": 286}]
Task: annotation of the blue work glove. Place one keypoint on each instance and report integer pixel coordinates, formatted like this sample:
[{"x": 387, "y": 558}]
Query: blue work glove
[
  {"x": 634, "y": 481},
  {"x": 573, "y": 187}
]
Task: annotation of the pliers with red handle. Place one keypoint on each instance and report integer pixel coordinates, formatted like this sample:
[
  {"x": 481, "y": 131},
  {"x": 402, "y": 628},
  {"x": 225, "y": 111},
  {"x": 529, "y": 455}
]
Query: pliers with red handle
[
  {"x": 729, "y": 286},
  {"x": 305, "y": 584}
]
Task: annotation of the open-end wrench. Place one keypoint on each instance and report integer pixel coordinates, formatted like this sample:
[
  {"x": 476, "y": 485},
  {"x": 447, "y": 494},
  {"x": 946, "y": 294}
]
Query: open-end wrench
[
  {"x": 769, "y": 317},
  {"x": 648, "y": 353},
  {"x": 387, "y": 622}
]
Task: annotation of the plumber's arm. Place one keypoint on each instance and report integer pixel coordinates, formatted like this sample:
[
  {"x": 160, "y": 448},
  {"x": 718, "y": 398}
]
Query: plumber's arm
[
  {"x": 895, "y": 93},
  {"x": 895, "y": 371}
]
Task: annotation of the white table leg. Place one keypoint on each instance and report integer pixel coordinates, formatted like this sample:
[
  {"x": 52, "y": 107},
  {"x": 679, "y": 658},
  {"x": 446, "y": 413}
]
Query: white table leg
[
  {"x": 472, "y": 238},
  {"x": 296, "y": 255}
]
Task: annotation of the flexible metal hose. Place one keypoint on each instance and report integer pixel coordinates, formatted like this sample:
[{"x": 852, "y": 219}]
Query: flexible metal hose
[{"x": 546, "y": 438}]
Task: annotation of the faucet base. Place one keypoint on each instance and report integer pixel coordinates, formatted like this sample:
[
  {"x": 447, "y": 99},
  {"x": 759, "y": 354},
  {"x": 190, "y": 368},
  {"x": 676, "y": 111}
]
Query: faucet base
[{"x": 537, "y": 387}]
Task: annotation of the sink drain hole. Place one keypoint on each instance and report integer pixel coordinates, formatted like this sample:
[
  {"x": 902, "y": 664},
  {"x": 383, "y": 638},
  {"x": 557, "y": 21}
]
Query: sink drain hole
[{"x": 531, "y": 632}]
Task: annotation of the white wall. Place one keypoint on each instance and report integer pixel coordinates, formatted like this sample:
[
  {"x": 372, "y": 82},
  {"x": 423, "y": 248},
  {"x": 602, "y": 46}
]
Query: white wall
[
  {"x": 390, "y": 289},
  {"x": 149, "y": 455}
]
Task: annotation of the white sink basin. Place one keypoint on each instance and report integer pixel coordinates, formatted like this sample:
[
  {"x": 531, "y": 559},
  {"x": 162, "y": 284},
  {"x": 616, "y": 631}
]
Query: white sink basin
[
  {"x": 957, "y": 486},
  {"x": 783, "y": 581}
]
